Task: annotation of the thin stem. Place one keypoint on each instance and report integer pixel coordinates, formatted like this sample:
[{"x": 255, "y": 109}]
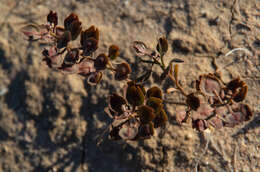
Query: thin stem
[
  {"x": 162, "y": 61},
  {"x": 177, "y": 85}
]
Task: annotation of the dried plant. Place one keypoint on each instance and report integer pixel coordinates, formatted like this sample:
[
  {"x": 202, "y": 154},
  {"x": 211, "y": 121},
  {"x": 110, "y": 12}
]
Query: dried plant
[{"x": 138, "y": 113}]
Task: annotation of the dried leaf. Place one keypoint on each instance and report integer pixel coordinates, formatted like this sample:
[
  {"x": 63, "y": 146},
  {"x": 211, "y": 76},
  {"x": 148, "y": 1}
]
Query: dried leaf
[
  {"x": 209, "y": 85},
  {"x": 181, "y": 115},
  {"x": 203, "y": 112},
  {"x": 86, "y": 67},
  {"x": 141, "y": 49},
  {"x": 35, "y": 32},
  {"x": 52, "y": 57}
]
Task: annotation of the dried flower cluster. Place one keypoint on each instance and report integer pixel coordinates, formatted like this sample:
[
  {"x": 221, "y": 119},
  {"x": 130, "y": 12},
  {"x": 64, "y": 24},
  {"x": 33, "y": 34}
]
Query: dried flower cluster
[
  {"x": 137, "y": 113},
  {"x": 62, "y": 56}
]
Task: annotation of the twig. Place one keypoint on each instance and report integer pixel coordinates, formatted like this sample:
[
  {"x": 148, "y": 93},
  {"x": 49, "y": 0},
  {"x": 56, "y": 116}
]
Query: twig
[{"x": 238, "y": 49}]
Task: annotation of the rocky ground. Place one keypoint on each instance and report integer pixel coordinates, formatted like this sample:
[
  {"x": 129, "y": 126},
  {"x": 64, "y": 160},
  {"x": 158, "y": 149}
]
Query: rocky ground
[{"x": 50, "y": 121}]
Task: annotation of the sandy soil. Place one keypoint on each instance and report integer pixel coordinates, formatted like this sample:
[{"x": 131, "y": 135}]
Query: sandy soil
[{"x": 50, "y": 121}]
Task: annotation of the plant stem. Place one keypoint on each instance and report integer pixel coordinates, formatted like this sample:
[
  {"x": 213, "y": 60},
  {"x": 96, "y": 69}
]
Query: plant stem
[{"x": 177, "y": 85}]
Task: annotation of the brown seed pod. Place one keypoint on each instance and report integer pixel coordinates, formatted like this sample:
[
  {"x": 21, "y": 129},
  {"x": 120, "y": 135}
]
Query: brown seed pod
[
  {"x": 162, "y": 46},
  {"x": 116, "y": 102},
  {"x": 101, "y": 61},
  {"x": 71, "y": 57},
  {"x": 90, "y": 46},
  {"x": 155, "y": 103},
  {"x": 160, "y": 119},
  {"x": 134, "y": 94},
  {"x": 154, "y": 92},
  {"x": 113, "y": 52},
  {"x": 122, "y": 71},
  {"x": 64, "y": 39},
  {"x": 52, "y": 18},
  {"x": 241, "y": 94},
  {"x": 239, "y": 89},
  {"x": 75, "y": 29},
  {"x": 91, "y": 32},
  {"x": 235, "y": 84},
  {"x": 69, "y": 20},
  {"x": 146, "y": 114},
  {"x": 192, "y": 101}
]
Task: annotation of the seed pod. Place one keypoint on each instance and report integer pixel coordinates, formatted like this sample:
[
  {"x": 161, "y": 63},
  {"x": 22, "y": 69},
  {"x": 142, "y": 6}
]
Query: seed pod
[
  {"x": 160, "y": 119},
  {"x": 69, "y": 20},
  {"x": 75, "y": 29},
  {"x": 91, "y": 32},
  {"x": 64, "y": 39},
  {"x": 94, "y": 78},
  {"x": 154, "y": 92},
  {"x": 100, "y": 62},
  {"x": 146, "y": 114},
  {"x": 116, "y": 102},
  {"x": 134, "y": 94},
  {"x": 241, "y": 95},
  {"x": 235, "y": 84},
  {"x": 71, "y": 57},
  {"x": 72, "y": 24},
  {"x": 52, "y": 18},
  {"x": 238, "y": 88},
  {"x": 193, "y": 101},
  {"x": 113, "y": 52},
  {"x": 155, "y": 103},
  {"x": 122, "y": 71},
  {"x": 162, "y": 46},
  {"x": 90, "y": 45}
]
